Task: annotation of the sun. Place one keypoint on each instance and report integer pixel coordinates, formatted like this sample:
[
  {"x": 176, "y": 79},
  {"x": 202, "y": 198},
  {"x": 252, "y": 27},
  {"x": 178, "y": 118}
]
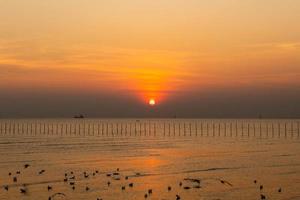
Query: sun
[{"x": 152, "y": 102}]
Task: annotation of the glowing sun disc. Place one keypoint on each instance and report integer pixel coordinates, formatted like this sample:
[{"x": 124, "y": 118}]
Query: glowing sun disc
[{"x": 152, "y": 102}]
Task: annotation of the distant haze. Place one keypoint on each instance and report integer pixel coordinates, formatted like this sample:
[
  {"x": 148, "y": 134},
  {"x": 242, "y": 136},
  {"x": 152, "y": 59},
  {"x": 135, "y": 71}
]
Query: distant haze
[{"x": 107, "y": 58}]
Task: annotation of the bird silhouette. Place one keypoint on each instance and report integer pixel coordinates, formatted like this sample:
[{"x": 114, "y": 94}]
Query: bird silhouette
[
  {"x": 23, "y": 190},
  {"x": 261, "y": 187}
]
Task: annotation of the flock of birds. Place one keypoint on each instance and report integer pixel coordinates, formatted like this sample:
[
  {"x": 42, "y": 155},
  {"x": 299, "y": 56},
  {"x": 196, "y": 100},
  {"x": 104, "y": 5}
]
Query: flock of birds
[{"x": 70, "y": 179}]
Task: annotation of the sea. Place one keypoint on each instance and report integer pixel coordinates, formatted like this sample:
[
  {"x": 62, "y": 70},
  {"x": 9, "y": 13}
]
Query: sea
[{"x": 157, "y": 159}]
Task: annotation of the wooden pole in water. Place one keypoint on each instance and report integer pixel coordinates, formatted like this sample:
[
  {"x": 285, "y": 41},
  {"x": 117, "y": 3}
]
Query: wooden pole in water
[
  {"x": 292, "y": 131},
  {"x": 140, "y": 128},
  {"x": 279, "y": 129},
  {"x": 107, "y": 128},
  {"x": 190, "y": 129},
  {"x": 201, "y": 129},
  {"x": 225, "y": 129},
  {"x": 285, "y": 131},
  {"x": 213, "y": 129},
  {"x": 236, "y": 129},
  {"x": 272, "y": 126},
  {"x": 174, "y": 128},
  {"x": 242, "y": 129},
  {"x": 196, "y": 127},
  {"x": 17, "y": 128},
  {"x": 254, "y": 127},
  {"x": 130, "y": 128},
  {"x": 248, "y": 132},
  {"x": 298, "y": 129},
  {"x": 35, "y": 128},
  {"x": 219, "y": 132},
  {"x": 61, "y": 128},
  {"x": 260, "y": 129},
  {"x": 79, "y": 129},
  {"x": 207, "y": 129},
  {"x": 93, "y": 129},
  {"x": 230, "y": 129},
  {"x": 267, "y": 124}
]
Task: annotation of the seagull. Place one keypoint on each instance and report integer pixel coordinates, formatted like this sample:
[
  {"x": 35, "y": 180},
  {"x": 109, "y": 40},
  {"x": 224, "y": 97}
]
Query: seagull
[
  {"x": 42, "y": 171},
  {"x": 169, "y": 188},
  {"x": 23, "y": 190},
  {"x": 49, "y": 188},
  {"x": 26, "y": 166},
  {"x": 225, "y": 182},
  {"x": 261, "y": 187}
]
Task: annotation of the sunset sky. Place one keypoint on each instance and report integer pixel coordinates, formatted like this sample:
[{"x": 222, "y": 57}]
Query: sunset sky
[{"x": 107, "y": 58}]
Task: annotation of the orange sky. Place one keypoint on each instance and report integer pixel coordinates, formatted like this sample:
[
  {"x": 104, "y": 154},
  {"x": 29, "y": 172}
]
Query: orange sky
[{"x": 148, "y": 49}]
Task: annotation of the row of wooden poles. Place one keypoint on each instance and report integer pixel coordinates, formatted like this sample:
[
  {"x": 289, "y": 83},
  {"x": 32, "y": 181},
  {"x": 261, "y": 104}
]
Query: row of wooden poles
[{"x": 165, "y": 128}]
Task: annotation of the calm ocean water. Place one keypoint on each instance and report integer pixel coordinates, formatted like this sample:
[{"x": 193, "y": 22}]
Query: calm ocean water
[{"x": 225, "y": 156}]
